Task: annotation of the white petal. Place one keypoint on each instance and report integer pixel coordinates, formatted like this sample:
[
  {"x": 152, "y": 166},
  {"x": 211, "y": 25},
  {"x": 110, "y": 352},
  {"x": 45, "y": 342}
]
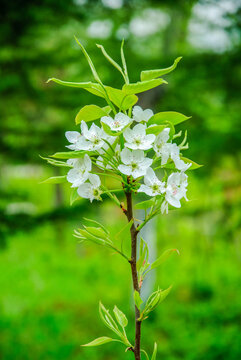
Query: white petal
[
  {"x": 128, "y": 135},
  {"x": 147, "y": 114},
  {"x": 138, "y": 155},
  {"x": 150, "y": 177},
  {"x": 83, "y": 144},
  {"x": 84, "y": 129},
  {"x": 146, "y": 163},
  {"x": 107, "y": 120},
  {"x": 126, "y": 156},
  {"x": 138, "y": 172},
  {"x": 95, "y": 180},
  {"x": 125, "y": 169},
  {"x": 150, "y": 138},
  {"x": 122, "y": 118},
  {"x": 139, "y": 129},
  {"x": 87, "y": 162},
  {"x": 145, "y": 189},
  {"x": 72, "y": 136},
  {"x": 173, "y": 201},
  {"x": 85, "y": 191},
  {"x": 137, "y": 112}
]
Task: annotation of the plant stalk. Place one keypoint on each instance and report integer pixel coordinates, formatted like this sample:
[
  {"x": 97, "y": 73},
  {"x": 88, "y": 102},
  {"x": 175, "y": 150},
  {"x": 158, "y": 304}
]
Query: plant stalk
[{"x": 132, "y": 261}]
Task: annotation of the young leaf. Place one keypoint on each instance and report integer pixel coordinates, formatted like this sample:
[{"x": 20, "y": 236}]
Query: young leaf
[
  {"x": 56, "y": 162},
  {"x": 74, "y": 196},
  {"x": 154, "y": 352},
  {"x": 71, "y": 154},
  {"x": 155, "y": 129},
  {"x": 153, "y": 74},
  {"x": 93, "y": 88},
  {"x": 122, "y": 100},
  {"x": 94, "y": 72},
  {"x": 141, "y": 86},
  {"x": 171, "y": 116},
  {"x": 120, "y": 317},
  {"x": 97, "y": 223},
  {"x": 124, "y": 61},
  {"x": 154, "y": 299},
  {"x": 194, "y": 165},
  {"x": 145, "y": 204},
  {"x": 98, "y": 232},
  {"x": 137, "y": 299},
  {"x": 91, "y": 112},
  {"x": 55, "y": 180},
  {"x": 163, "y": 258},
  {"x": 99, "y": 341},
  {"x": 112, "y": 61}
]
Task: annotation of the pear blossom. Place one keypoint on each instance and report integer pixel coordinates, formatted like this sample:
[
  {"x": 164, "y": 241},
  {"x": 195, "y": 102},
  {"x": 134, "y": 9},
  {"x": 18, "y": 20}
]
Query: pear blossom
[
  {"x": 80, "y": 172},
  {"x": 141, "y": 115},
  {"x": 118, "y": 123},
  {"x": 176, "y": 188},
  {"x": 92, "y": 189},
  {"x": 90, "y": 139},
  {"x": 153, "y": 186},
  {"x": 135, "y": 163},
  {"x": 137, "y": 139}
]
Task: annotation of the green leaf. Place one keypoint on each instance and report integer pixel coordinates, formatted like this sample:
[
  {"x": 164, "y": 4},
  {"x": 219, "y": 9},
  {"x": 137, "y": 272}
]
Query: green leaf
[
  {"x": 94, "y": 72},
  {"x": 194, "y": 165},
  {"x": 154, "y": 299},
  {"x": 112, "y": 61},
  {"x": 145, "y": 204},
  {"x": 141, "y": 86},
  {"x": 93, "y": 88},
  {"x": 108, "y": 319},
  {"x": 97, "y": 223},
  {"x": 153, "y": 74},
  {"x": 122, "y": 100},
  {"x": 71, "y": 154},
  {"x": 163, "y": 257},
  {"x": 55, "y": 180},
  {"x": 99, "y": 341},
  {"x": 98, "y": 232},
  {"x": 120, "y": 317},
  {"x": 126, "y": 228},
  {"x": 171, "y": 116},
  {"x": 56, "y": 162},
  {"x": 91, "y": 112},
  {"x": 124, "y": 61},
  {"x": 154, "y": 352},
  {"x": 171, "y": 165},
  {"x": 74, "y": 196},
  {"x": 137, "y": 299},
  {"x": 156, "y": 129}
]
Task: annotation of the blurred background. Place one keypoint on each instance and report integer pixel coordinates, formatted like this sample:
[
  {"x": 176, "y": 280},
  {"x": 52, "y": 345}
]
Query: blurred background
[{"x": 49, "y": 285}]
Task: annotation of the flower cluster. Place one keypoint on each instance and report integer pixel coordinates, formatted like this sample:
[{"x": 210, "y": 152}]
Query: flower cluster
[{"x": 133, "y": 150}]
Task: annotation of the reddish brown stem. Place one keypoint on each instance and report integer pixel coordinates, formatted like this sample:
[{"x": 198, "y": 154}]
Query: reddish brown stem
[{"x": 132, "y": 261}]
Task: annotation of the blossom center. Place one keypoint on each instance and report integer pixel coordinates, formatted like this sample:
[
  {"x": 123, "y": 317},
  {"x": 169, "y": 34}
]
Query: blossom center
[{"x": 134, "y": 166}]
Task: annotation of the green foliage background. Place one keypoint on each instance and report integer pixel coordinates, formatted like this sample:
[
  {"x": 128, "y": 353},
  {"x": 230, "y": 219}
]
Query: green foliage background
[{"x": 50, "y": 286}]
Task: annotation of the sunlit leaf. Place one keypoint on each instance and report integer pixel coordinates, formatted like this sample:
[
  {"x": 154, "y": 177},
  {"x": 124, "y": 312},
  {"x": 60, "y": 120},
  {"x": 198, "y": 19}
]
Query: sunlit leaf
[
  {"x": 120, "y": 317},
  {"x": 141, "y": 86},
  {"x": 109, "y": 58},
  {"x": 153, "y": 74},
  {"x": 74, "y": 196},
  {"x": 171, "y": 116},
  {"x": 145, "y": 204},
  {"x": 163, "y": 257},
  {"x": 99, "y": 341},
  {"x": 55, "y": 180},
  {"x": 154, "y": 352},
  {"x": 137, "y": 299},
  {"x": 91, "y": 112},
  {"x": 71, "y": 154}
]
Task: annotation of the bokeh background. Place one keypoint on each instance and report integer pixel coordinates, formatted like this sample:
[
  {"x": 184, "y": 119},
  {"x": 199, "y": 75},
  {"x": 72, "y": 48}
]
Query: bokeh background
[{"x": 49, "y": 285}]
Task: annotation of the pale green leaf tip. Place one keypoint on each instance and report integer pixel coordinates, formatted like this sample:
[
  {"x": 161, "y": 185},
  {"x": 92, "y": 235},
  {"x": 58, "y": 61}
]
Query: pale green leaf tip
[{"x": 50, "y": 79}]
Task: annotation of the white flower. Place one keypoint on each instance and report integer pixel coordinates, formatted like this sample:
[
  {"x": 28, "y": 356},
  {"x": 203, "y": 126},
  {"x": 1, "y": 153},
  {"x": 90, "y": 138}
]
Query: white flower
[
  {"x": 80, "y": 173},
  {"x": 73, "y": 137},
  {"x": 160, "y": 145},
  {"x": 137, "y": 139},
  {"x": 135, "y": 163},
  {"x": 118, "y": 123},
  {"x": 168, "y": 150},
  {"x": 153, "y": 186},
  {"x": 176, "y": 188},
  {"x": 92, "y": 189},
  {"x": 141, "y": 115},
  {"x": 92, "y": 139}
]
